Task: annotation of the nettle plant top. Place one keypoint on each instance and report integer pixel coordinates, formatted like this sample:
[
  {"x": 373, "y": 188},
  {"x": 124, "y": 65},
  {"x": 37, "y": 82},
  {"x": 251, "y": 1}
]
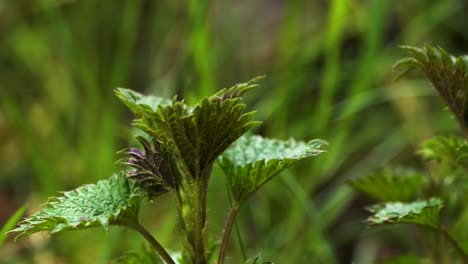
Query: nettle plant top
[{"x": 181, "y": 145}]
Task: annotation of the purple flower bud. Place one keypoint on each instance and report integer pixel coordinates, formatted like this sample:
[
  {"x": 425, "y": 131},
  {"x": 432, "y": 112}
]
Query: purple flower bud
[
  {"x": 135, "y": 152},
  {"x": 152, "y": 171}
]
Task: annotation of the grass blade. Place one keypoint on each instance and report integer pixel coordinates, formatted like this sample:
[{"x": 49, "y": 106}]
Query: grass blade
[{"x": 11, "y": 223}]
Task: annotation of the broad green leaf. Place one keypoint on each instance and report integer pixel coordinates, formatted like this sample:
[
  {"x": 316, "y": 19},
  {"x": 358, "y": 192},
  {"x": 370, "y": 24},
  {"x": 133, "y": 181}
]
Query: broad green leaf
[
  {"x": 448, "y": 74},
  {"x": 198, "y": 135},
  {"x": 115, "y": 201},
  {"x": 12, "y": 221},
  {"x": 139, "y": 103},
  {"x": 391, "y": 185},
  {"x": 252, "y": 161},
  {"x": 423, "y": 212},
  {"x": 452, "y": 149}
]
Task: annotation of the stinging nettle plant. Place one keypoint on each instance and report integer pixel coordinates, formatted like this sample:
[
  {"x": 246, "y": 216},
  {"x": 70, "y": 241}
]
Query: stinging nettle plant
[
  {"x": 435, "y": 200},
  {"x": 182, "y": 144}
]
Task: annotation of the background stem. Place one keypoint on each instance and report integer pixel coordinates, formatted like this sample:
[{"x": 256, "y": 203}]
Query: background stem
[
  {"x": 227, "y": 231},
  {"x": 454, "y": 243},
  {"x": 154, "y": 243},
  {"x": 240, "y": 241}
]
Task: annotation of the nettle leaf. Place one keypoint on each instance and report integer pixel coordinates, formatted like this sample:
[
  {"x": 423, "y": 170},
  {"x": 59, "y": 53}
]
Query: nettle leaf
[
  {"x": 252, "y": 160},
  {"x": 448, "y": 74},
  {"x": 390, "y": 185},
  {"x": 423, "y": 213},
  {"x": 115, "y": 201},
  {"x": 452, "y": 149},
  {"x": 139, "y": 103},
  {"x": 198, "y": 135}
]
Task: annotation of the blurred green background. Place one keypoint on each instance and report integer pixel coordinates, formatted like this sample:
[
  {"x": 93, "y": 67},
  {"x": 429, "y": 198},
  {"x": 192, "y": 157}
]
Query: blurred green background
[{"x": 328, "y": 67}]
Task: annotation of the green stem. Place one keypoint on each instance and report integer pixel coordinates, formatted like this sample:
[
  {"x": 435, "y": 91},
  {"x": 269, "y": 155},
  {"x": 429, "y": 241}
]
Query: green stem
[
  {"x": 240, "y": 241},
  {"x": 454, "y": 243},
  {"x": 227, "y": 232},
  {"x": 200, "y": 211},
  {"x": 438, "y": 248},
  {"x": 153, "y": 242}
]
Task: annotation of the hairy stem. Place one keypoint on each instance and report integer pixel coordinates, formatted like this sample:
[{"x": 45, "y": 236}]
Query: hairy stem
[
  {"x": 200, "y": 211},
  {"x": 227, "y": 232},
  {"x": 153, "y": 242}
]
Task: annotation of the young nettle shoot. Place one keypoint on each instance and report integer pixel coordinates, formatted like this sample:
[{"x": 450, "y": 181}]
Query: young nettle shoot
[
  {"x": 182, "y": 144},
  {"x": 417, "y": 198}
]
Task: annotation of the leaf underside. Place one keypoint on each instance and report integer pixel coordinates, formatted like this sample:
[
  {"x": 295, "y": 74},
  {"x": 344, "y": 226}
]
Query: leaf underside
[
  {"x": 448, "y": 74},
  {"x": 195, "y": 135},
  {"x": 391, "y": 185},
  {"x": 252, "y": 161},
  {"x": 423, "y": 213},
  {"x": 115, "y": 201}
]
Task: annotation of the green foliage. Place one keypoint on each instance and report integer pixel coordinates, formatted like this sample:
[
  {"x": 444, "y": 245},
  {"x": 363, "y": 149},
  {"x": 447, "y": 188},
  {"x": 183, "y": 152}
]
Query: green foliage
[
  {"x": 252, "y": 161},
  {"x": 423, "y": 212},
  {"x": 391, "y": 185},
  {"x": 450, "y": 149},
  {"x": 115, "y": 201},
  {"x": 185, "y": 142},
  {"x": 448, "y": 74},
  {"x": 68, "y": 53}
]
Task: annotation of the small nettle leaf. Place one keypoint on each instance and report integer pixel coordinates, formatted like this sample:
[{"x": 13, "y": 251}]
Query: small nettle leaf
[
  {"x": 198, "y": 135},
  {"x": 452, "y": 149},
  {"x": 115, "y": 201},
  {"x": 448, "y": 74},
  {"x": 423, "y": 212},
  {"x": 252, "y": 160},
  {"x": 139, "y": 103},
  {"x": 391, "y": 185}
]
